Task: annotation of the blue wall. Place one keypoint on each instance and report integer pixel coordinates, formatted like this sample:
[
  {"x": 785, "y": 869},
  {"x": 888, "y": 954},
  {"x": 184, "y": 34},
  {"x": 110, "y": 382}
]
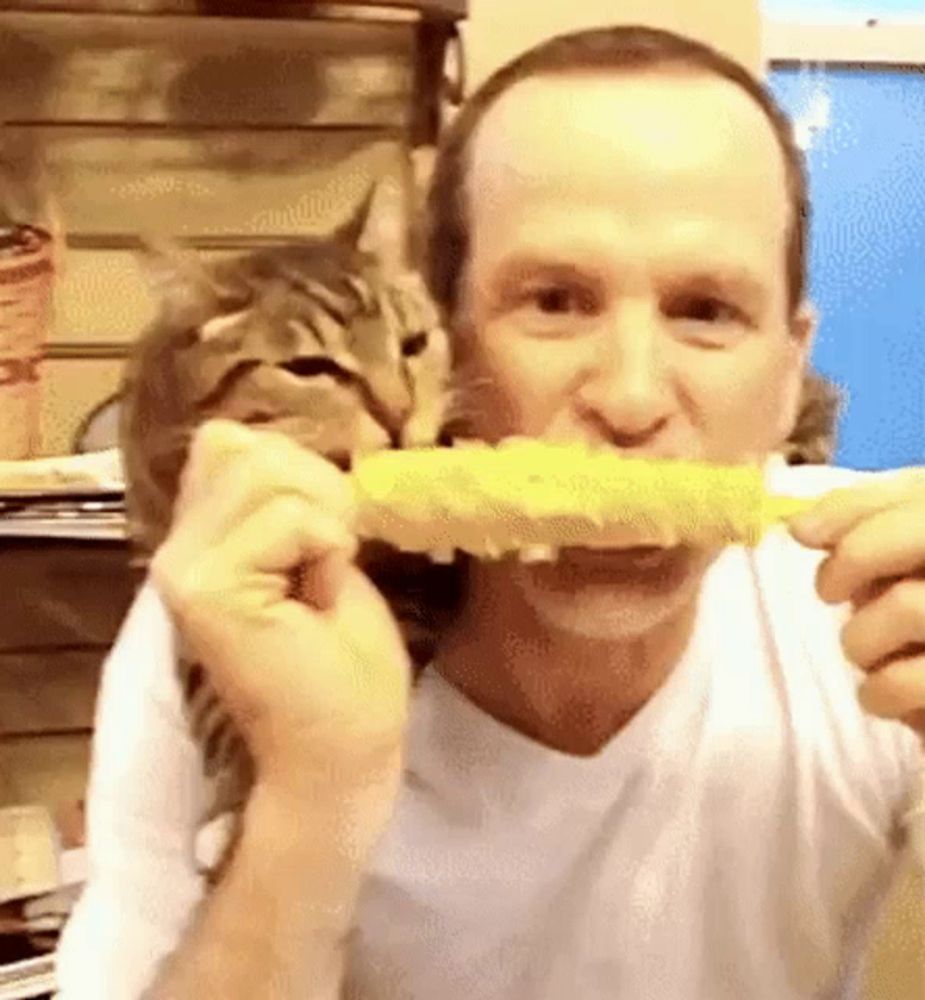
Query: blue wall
[
  {"x": 818, "y": 8},
  {"x": 867, "y": 266}
]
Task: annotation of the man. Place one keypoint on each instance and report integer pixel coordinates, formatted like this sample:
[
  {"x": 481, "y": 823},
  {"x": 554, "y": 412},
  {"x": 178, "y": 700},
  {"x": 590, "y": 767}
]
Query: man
[{"x": 640, "y": 773}]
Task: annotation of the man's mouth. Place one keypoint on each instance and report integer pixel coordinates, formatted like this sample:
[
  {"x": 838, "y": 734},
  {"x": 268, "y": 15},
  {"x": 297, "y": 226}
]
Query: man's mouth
[{"x": 639, "y": 557}]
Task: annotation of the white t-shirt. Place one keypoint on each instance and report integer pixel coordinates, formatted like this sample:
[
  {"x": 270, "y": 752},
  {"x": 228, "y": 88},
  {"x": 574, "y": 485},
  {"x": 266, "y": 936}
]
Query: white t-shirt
[{"x": 733, "y": 840}]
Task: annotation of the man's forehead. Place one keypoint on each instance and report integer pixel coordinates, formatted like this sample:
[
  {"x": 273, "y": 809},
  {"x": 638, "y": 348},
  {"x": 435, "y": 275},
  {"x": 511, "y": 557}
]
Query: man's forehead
[
  {"x": 669, "y": 168},
  {"x": 547, "y": 120}
]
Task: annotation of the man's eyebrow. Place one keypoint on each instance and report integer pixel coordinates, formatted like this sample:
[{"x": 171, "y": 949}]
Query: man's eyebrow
[
  {"x": 722, "y": 279},
  {"x": 526, "y": 264}
]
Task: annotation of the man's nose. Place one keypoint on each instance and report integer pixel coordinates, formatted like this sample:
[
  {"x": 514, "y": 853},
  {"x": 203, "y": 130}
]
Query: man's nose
[{"x": 626, "y": 391}]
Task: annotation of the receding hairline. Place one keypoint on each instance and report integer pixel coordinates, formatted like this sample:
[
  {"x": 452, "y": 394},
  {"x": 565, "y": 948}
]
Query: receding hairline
[
  {"x": 669, "y": 66},
  {"x": 605, "y": 51}
]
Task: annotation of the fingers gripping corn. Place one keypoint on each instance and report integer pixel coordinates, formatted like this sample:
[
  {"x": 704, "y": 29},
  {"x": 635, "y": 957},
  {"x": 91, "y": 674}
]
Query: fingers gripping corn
[{"x": 527, "y": 495}]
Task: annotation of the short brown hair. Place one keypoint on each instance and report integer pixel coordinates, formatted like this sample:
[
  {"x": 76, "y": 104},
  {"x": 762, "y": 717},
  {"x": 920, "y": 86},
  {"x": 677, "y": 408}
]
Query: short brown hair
[{"x": 621, "y": 48}]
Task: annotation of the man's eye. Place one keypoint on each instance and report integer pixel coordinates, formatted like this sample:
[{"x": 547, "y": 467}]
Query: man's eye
[
  {"x": 557, "y": 300},
  {"x": 704, "y": 309}
]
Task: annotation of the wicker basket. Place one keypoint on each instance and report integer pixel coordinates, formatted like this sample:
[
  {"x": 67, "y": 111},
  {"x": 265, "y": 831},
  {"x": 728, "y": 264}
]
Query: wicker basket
[{"x": 26, "y": 285}]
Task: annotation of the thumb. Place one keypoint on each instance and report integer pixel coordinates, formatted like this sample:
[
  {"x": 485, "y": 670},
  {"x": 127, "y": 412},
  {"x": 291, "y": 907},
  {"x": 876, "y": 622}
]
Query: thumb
[{"x": 321, "y": 581}]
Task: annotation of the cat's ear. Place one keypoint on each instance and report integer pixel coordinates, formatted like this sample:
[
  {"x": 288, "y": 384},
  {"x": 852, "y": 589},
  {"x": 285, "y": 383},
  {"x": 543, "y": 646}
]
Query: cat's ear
[
  {"x": 178, "y": 281},
  {"x": 379, "y": 227}
]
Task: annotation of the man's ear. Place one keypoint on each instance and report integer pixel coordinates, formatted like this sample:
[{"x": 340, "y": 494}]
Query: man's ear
[
  {"x": 803, "y": 326},
  {"x": 802, "y": 335}
]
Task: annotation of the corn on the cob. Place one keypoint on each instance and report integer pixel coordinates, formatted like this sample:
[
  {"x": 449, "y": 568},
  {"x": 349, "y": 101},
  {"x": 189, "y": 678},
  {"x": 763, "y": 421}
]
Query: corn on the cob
[{"x": 524, "y": 495}]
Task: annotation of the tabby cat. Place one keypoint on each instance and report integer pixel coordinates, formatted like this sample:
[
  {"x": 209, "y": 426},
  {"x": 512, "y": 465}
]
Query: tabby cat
[
  {"x": 812, "y": 440},
  {"x": 330, "y": 341}
]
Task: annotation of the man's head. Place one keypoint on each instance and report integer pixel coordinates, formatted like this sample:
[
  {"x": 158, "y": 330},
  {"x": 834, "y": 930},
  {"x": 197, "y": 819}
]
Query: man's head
[
  {"x": 624, "y": 49},
  {"x": 618, "y": 238}
]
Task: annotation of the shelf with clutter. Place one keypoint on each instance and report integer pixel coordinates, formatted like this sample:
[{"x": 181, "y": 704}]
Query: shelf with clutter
[
  {"x": 130, "y": 119},
  {"x": 147, "y": 118}
]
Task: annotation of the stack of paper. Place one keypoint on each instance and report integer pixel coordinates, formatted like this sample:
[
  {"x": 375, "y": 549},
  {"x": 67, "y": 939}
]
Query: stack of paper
[
  {"x": 97, "y": 470},
  {"x": 31, "y": 900},
  {"x": 28, "y": 852},
  {"x": 71, "y": 496},
  {"x": 32, "y": 977}
]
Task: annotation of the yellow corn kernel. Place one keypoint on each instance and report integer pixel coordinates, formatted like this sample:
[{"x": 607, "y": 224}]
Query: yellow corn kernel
[{"x": 522, "y": 493}]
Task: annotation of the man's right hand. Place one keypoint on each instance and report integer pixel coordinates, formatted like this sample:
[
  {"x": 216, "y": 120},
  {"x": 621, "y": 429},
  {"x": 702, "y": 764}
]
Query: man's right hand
[{"x": 315, "y": 673}]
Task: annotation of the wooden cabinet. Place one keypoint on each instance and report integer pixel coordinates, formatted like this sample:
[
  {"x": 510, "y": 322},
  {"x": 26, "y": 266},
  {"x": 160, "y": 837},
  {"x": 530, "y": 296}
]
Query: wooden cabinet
[
  {"x": 61, "y": 606},
  {"x": 226, "y": 124}
]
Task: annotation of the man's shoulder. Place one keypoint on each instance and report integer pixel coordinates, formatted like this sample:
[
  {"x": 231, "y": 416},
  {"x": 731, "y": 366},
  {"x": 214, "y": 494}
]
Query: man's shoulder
[
  {"x": 880, "y": 756},
  {"x": 148, "y": 622},
  {"x": 143, "y": 653}
]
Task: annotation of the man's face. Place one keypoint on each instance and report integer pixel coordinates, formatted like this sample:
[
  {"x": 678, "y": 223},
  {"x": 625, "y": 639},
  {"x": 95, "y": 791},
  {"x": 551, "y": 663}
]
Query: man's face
[{"x": 627, "y": 286}]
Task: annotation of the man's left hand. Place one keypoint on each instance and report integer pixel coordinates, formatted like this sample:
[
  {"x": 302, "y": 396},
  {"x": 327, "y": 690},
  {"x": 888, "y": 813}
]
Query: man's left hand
[{"x": 875, "y": 538}]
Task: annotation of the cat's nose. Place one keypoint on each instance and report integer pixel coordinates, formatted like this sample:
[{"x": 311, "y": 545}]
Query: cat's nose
[{"x": 390, "y": 403}]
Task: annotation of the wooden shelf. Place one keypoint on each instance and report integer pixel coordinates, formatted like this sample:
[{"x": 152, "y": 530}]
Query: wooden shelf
[
  {"x": 224, "y": 123},
  {"x": 453, "y": 10}
]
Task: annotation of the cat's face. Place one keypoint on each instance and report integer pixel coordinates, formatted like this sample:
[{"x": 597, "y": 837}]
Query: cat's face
[
  {"x": 343, "y": 361},
  {"x": 813, "y": 438},
  {"x": 324, "y": 340}
]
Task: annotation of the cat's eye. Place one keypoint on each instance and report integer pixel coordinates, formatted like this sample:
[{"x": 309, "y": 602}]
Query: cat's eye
[
  {"x": 308, "y": 367},
  {"x": 258, "y": 417},
  {"x": 414, "y": 345},
  {"x": 235, "y": 301}
]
